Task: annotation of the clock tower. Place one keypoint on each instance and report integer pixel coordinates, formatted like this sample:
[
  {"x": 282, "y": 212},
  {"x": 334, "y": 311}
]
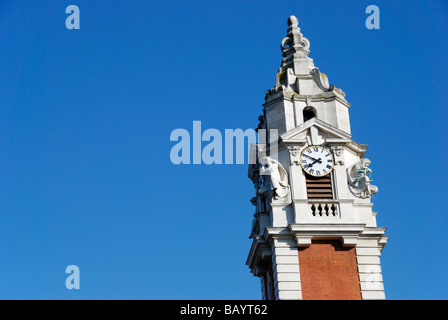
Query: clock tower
[{"x": 314, "y": 234}]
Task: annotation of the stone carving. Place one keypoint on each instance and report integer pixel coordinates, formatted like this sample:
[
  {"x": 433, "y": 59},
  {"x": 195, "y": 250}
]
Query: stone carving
[
  {"x": 294, "y": 41},
  {"x": 339, "y": 91},
  {"x": 338, "y": 153},
  {"x": 322, "y": 82},
  {"x": 359, "y": 181},
  {"x": 294, "y": 153},
  {"x": 287, "y": 81},
  {"x": 337, "y": 150},
  {"x": 295, "y": 48},
  {"x": 261, "y": 124},
  {"x": 275, "y": 179}
]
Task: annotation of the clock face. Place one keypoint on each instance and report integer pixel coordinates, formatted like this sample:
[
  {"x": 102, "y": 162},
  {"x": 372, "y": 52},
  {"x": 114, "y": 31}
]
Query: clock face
[{"x": 317, "y": 161}]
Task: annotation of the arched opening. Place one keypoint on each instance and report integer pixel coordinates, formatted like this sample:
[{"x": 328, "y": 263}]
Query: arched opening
[{"x": 308, "y": 113}]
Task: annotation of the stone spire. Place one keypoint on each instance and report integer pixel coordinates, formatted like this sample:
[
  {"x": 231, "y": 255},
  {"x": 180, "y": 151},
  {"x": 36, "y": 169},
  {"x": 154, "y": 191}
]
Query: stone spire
[
  {"x": 297, "y": 73},
  {"x": 295, "y": 48}
]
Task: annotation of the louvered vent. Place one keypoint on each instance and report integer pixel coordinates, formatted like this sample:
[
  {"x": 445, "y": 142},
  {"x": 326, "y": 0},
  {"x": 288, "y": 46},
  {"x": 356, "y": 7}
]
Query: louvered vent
[{"x": 319, "y": 188}]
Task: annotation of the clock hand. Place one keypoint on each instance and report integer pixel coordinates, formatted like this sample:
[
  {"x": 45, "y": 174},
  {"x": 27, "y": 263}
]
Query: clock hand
[{"x": 314, "y": 159}]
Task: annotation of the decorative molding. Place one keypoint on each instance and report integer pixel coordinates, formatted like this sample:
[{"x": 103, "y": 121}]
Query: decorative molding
[
  {"x": 338, "y": 152},
  {"x": 320, "y": 83},
  {"x": 348, "y": 233},
  {"x": 333, "y": 132},
  {"x": 294, "y": 155}
]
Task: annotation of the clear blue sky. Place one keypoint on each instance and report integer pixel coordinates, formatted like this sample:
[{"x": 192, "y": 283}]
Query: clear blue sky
[{"x": 86, "y": 116}]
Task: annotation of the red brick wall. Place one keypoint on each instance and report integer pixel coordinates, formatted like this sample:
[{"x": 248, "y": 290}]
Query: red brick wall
[{"x": 329, "y": 271}]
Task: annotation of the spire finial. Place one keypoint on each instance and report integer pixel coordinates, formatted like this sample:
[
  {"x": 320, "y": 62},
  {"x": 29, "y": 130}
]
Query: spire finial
[
  {"x": 293, "y": 21},
  {"x": 295, "y": 48},
  {"x": 294, "y": 41}
]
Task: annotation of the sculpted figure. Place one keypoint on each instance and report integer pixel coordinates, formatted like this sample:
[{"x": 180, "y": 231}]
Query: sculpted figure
[
  {"x": 275, "y": 178},
  {"x": 359, "y": 181}
]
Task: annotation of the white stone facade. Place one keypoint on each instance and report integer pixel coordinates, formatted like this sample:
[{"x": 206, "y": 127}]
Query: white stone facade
[{"x": 283, "y": 224}]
